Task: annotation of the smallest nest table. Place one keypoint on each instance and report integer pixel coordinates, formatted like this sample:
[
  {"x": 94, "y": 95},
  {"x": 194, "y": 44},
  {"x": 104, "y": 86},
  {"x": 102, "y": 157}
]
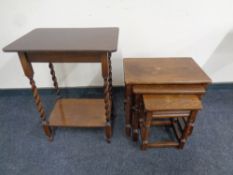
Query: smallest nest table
[{"x": 175, "y": 107}]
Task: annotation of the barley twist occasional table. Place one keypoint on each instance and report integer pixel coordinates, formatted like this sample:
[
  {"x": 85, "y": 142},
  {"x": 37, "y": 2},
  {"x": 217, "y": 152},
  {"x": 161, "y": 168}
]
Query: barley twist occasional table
[{"x": 70, "y": 45}]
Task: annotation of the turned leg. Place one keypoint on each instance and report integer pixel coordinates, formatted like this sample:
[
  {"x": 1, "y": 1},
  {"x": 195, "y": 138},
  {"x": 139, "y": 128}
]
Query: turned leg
[
  {"x": 188, "y": 128},
  {"x": 107, "y": 98},
  {"x": 135, "y": 117},
  {"x": 141, "y": 114},
  {"x": 108, "y": 127},
  {"x": 110, "y": 82},
  {"x": 145, "y": 130},
  {"x": 128, "y": 107},
  {"x": 52, "y": 72},
  {"x": 28, "y": 71}
]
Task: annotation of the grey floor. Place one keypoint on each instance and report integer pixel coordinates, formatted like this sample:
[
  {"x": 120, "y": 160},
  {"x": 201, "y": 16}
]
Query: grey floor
[{"x": 24, "y": 148}]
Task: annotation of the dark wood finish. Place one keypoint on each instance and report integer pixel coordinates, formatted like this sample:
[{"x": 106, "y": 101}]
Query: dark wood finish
[
  {"x": 169, "y": 89},
  {"x": 78, "y": 113},
  {"x": 176, "y": 130},
  {"x": 54, "y": 78},
  {"x": 88, "y": 45},
  {"x": 67, "y": 39},
  {"x": 135, "y": 117},
  {"x": 161, "y": 123},
  {"x": 110, "y": 81},
  {"x": 128, "y": 107},
  {"x": 107, "y": 99},
  {"x": 181, "y": 123},
  {"x": 171, "y": 102},
  {"x": 65, "y": 57},
  {"x": 163, "y": 71}
]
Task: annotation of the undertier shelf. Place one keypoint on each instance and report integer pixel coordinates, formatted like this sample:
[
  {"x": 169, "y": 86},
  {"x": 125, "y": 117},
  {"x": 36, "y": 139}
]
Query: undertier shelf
[{"x": 78, "y": 113}]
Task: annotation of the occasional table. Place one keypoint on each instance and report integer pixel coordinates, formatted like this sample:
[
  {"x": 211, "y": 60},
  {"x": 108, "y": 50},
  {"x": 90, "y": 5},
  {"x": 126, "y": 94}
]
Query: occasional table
[
  {"x": 159, "y": 76},
  {"x": 70, "y": 45}
]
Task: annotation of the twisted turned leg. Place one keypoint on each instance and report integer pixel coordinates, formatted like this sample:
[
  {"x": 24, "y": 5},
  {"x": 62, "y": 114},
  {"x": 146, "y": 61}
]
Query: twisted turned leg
[
  {"x": 52, "y": 72},
  {"x": 28, "y": 71},
  {"x": 110, "y": 83},
  {"x": 108, "y": 127},
  {"x": 107, "y": 95},
  {"x": 48, "y": 130}
]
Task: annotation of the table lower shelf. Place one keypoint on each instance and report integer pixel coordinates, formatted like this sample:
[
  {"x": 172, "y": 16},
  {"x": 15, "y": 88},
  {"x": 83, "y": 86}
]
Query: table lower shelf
[{"x": 78, "y": 113}]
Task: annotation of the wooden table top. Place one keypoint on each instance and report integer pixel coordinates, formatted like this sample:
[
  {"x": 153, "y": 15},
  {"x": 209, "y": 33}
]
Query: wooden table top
[
  {"x": 171, "y": 102},
  {"x": 67, "y": 39},
  {"x": 163, "y": 71}
]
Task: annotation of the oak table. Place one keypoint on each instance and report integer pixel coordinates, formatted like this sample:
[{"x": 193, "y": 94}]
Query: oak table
[
  {"x": 159, "y": 76},
  {"x": 70, "y": 45}
]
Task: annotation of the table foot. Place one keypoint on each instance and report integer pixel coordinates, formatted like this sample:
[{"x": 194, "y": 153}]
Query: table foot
[
  {"x": 128, "y": 131},
  {"x": 135, "y": 135},
  {"x": 48, "y": 132},
  {"x": 108, "y": 141},
  {"x": 108, "y": 132}
]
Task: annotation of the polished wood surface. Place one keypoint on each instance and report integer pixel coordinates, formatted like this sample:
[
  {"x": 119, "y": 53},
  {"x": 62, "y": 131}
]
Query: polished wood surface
[
  {"x": 163, "y": 71},
  {"x": 169, "y": 89},
  {"x": 65, "y": 57},
  {"x": 78, "y": 113},
  {"x": 171, "y": 114},
  {"x": 171, "y": 102},
  {"x": 67, "y": 39}
]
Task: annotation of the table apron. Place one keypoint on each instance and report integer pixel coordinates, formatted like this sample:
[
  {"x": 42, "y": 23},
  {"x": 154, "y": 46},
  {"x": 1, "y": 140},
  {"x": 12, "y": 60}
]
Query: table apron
[{"x": 65, "y": 57}]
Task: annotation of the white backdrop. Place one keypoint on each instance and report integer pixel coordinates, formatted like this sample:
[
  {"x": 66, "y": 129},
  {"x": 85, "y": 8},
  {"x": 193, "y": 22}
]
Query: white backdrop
[{"x": 202, "y": 29}]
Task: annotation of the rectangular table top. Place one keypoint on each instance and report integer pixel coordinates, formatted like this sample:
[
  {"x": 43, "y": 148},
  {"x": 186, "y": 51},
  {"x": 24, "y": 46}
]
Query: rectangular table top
[
  {"x": 67, "y": 39},
  {"x": 171, "y": 102},
  {"x": 163, "y": 71}
]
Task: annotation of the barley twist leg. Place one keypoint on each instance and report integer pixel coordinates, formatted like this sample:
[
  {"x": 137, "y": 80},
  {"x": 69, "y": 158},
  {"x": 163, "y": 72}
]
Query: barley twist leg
[
  {"x": 107, "y": 95},
  {"x": 29, "y": 73},
  {"x": 110, "y": 84},
  {"x": 48, "y": 130},
  {"x": 108, "y": 127},
  {"x": 52, "y": 72}
]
